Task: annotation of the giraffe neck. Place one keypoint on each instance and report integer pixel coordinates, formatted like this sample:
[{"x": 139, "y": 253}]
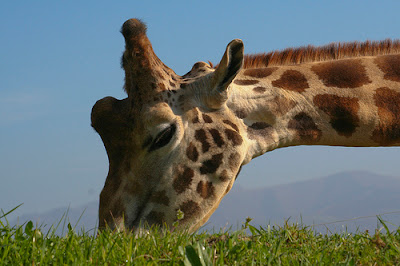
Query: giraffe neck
[{"x": 351, "y": 102}]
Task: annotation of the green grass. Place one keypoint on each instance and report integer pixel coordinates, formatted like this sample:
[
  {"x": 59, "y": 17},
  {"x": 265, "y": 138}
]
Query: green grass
[{"x": 291, "y": 244}]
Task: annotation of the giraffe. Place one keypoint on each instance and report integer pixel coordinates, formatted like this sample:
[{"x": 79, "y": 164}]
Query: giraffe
[{"x": 177, "y": 143}]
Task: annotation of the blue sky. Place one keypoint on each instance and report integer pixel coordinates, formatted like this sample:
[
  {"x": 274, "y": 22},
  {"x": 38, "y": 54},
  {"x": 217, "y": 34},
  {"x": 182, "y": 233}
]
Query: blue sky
[{"x": 57, "y": 58}]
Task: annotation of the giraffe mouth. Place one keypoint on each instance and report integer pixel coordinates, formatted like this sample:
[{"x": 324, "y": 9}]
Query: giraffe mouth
[{"x": 136, "y": 223}]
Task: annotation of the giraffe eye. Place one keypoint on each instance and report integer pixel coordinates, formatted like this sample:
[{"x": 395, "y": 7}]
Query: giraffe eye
[{"x": 163, "y": 138}]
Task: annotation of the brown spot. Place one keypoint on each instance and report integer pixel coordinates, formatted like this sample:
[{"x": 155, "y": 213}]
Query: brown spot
[
  {"x": 189, "y": 209},
  {"x": 195, "y": 120},
  {"x": 207, "y": 118},
  {"x": 182, "y": 179},
  {"x": 342, "y": 74},
  {"x": 306, "y": 128},
  {"x": 172, "y": 84},
  {"x": 259, "y": 129},
  {"x": 160, "y": 197},
  {"x": 234, "y": 137},
  {"x": 224, "y": 176},
  {"x": 343, "y": 112},
  {"x": 211, "y": 166},
  {"x": 192, "y": 153},
  {"x": 388, "y": 130},
  {"x": 241, "y": 113},
  {"x": 205, "y": 189},
  {"x": 292, "y": 80},
  {"x": 155, "y": 217},
  {"x": 245, "y": 82},
  {"x": 259, "y": 72},
  {"x": 260, "y": 125},
  {"x": 234, "y": 160},
  {"x": 217, "y": 137},
  {"x": 282, "y": 105},
  {"x": 390, "y": 65},
  {"x": 233, "y": 125},
  {"x": 259, "y": 89},
  {"x": 162, "y": 86},
  {"x": 201, "y": 136}
]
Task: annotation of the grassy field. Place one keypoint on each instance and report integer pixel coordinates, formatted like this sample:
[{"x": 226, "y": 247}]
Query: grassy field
[{"x": 291, "y": 244}]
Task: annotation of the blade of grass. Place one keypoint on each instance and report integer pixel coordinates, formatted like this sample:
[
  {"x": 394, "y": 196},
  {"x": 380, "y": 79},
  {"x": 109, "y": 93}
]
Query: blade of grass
[{"x": 10, "y": 211}]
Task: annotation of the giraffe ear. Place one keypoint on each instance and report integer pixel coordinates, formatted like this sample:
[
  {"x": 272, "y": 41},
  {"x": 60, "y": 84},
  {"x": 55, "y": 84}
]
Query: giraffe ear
[
  {"x": 227, "y": 69},
  {"x": 230, "y": 65}
]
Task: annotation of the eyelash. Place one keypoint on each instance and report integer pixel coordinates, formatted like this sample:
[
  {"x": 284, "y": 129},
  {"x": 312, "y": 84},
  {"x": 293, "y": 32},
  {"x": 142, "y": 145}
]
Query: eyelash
[{"x": 163, "y": 138}]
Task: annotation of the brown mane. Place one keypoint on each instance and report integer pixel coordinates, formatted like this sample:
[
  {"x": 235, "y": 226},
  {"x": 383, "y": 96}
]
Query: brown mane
[{"x": 331, "y": 51}]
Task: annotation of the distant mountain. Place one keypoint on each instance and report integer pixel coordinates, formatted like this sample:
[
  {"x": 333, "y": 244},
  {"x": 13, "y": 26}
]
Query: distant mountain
[
  {"x": 324, "y": 200},
  {"x": 83, "y": 217},
  {"x": 329, "y": 199}
]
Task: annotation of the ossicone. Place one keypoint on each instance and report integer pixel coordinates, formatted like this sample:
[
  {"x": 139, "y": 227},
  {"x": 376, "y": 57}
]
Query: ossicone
[{"x": 133, "y": 27}]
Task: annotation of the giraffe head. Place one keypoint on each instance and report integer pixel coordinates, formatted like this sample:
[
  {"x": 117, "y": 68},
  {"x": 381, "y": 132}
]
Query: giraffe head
[{"x": 172, "y": 144}]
